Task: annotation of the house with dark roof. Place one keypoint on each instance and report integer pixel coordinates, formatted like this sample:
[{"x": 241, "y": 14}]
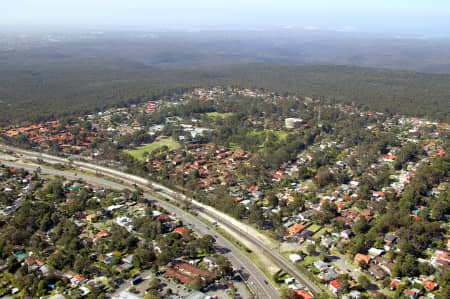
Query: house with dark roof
[
  {"x": 385, "y": 264},
  {"x": 390, "y": 239},
  {"x": 328, "y": 274},
  {"x": 306, "y": 234},
  {"x": 377, "y": 272}
]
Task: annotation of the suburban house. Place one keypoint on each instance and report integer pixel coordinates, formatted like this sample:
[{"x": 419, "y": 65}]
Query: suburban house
[
  {"x": 295, "y": 258},
  {"x": 296, "y": 229},
  {"x": 336, "y": 286},
  {"x": 362, "y": 258},
  {"x": 376, "y": 271}
]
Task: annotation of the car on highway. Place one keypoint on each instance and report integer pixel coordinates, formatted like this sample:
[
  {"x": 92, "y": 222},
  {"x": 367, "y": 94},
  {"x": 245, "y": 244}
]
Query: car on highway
[
  {"x": 137, "y": 281},
  {"x": 118, "y": 281}
]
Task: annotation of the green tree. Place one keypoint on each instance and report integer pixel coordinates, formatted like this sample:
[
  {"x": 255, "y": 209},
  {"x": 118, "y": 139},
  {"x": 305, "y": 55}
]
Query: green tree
[
  {"x": 311, "y": 249},
  {"x": 363, "y": 282}
]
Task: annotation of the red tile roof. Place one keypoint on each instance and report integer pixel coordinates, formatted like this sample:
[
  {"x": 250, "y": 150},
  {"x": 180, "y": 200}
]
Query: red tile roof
[
  {"x": 430, "y": 285},
  {"x": 395, "y": 283},
  {"x": 171, "y": 273},
  {"x": 189, "y": 269},
  {"x": 252, "y": 188},
  {"x": 378, "y": 193},
  {"x": 336, "y": 284},
  {"x": 296, "y": 228},
  {"x": 361, "y": 257},
  {"x": 389, "y": 157},
  {"x": 303, "y": 295},
  {"x": 101, "y": 234}
]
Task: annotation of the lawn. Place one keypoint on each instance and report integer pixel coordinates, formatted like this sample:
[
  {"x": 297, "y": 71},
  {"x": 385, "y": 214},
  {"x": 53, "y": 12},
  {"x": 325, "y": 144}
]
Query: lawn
[
  {"x": 138, "y": 153},
  {"x": 234, "y": 146},
  {"x": 318, "y": 234},
  {"x": 279, "y": 134},
  {"x": 314, "y": 227},
  {"x": 218, "y": 114},
  {"x": 262, "y": 135},
  {"x": 309, "y": 260}
]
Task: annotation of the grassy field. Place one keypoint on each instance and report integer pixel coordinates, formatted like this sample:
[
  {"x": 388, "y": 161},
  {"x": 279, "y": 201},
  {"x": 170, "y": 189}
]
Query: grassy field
[
  {"x": 314, "y": 228},
  {"x": 138, "y": 153},
  {"x": 218, "y": 114},
  {"x": 279, "y": 134},
  {"x": 308, "y": 260},
  {"x": 318, "y": 234}
]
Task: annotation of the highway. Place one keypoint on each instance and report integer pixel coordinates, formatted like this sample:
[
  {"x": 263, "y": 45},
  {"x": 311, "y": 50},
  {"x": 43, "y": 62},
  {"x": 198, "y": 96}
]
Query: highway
[
  {"x": 250, "y": 271},
  {"x": 278, "y": 259}
]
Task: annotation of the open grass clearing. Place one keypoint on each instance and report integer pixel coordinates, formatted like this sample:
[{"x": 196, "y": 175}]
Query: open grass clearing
[
  {"x": 279, "y": 134},
  {"x": 309, "y": 260},
  {"x": 138, "y": 153},
  {"x": 218, "y": 114}
]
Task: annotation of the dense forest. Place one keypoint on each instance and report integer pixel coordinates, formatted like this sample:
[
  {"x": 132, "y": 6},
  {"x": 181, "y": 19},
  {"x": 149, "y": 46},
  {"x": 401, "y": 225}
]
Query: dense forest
[{"x": 34, "y": 89}]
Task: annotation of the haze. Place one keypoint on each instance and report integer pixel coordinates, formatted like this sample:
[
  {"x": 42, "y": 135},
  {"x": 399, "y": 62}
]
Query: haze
[{"x": 431, "y": 18}]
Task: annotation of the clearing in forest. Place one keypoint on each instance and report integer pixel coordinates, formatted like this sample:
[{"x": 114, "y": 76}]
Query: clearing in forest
[{"x": 138, "y": 152}]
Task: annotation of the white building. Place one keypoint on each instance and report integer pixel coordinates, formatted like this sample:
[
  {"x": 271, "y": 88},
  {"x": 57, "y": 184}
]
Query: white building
[
  {"x": 295, "y": 258},
  {"x": 291, "y": 123}
]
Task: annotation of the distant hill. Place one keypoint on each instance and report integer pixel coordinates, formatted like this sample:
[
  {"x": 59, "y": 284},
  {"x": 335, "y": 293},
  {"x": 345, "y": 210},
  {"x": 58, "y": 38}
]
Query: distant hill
[
  {"x": 45, "y": 88},
  {"x": 41, "y": 79},
  {"x": 193, "y": 49}
]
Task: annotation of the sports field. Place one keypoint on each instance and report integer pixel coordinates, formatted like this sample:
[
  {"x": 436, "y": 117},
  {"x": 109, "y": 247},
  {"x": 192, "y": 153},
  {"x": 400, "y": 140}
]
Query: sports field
[{"x": 138, "y": 152}]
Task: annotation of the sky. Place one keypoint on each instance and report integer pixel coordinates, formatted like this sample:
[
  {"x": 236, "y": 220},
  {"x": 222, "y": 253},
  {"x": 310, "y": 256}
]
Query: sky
[{"x": 384, "y": 16}]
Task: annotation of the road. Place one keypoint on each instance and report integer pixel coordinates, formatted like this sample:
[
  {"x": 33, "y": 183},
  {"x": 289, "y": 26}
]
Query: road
[
  {"x": 146, "y": 275},
  {"x": 278, "y": 259},
  {"x": 255, "y": 276},
  {"x": 342, "y": 262}
]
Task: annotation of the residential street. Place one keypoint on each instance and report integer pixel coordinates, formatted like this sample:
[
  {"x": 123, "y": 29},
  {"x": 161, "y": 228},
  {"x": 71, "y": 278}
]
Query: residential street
[
  {"x": 255, "y": 277},
  {"x": 248, "y": 233}
]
